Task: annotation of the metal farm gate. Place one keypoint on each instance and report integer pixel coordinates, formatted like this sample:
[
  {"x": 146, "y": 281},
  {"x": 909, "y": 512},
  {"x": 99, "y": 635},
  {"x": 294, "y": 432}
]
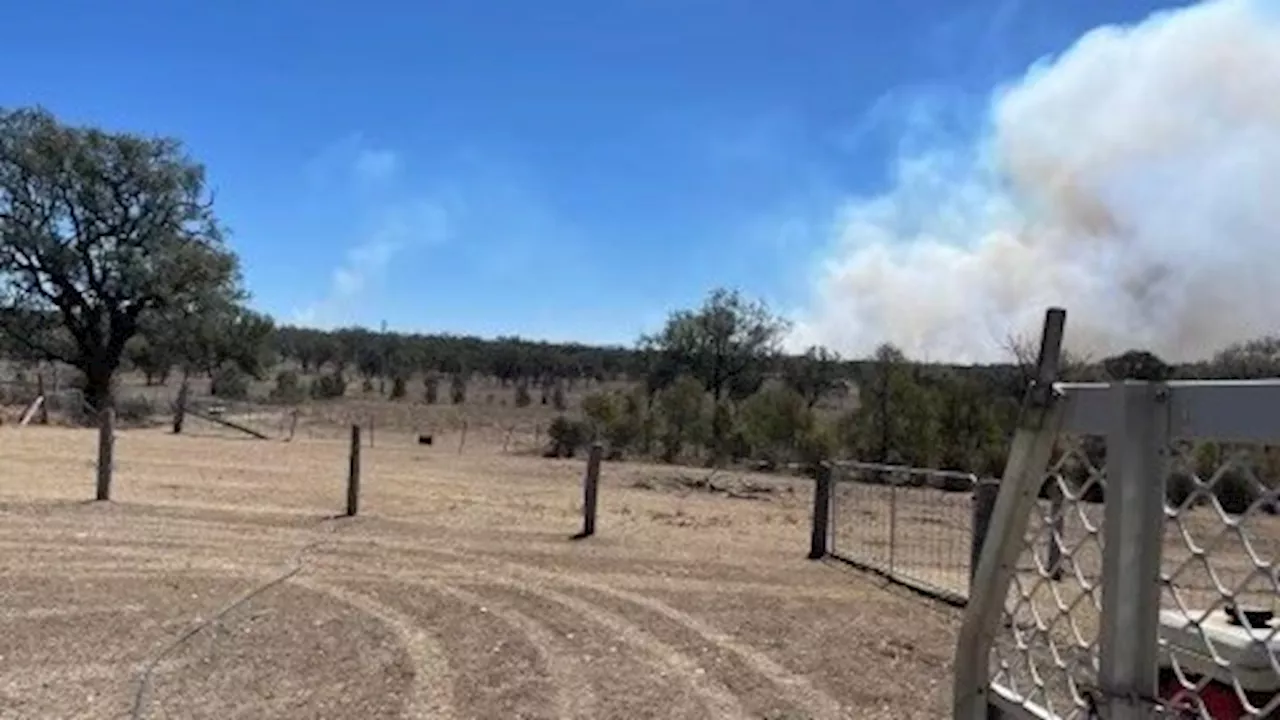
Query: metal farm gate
[{"x": 1163, "y": 604}]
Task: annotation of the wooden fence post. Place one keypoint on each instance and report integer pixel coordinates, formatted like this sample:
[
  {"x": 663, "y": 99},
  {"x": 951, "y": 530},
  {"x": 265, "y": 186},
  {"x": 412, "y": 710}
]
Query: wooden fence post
[
  {"x": 44, "y": 404},
  {"x": 353, "y": 474},
  {"x": 106, "y": 447},
  {"x": 820, "y": 527},
  {"x": 591, "y": 490},
  {"x": 984, "y": 503},
  {"x": 180, "y": 410}
]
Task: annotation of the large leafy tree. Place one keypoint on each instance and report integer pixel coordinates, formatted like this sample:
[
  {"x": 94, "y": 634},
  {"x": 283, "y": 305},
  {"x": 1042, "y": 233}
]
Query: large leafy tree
[
  {"x": 98, "y": 230},
  {"x": 1257, "y": 358},
  {"x": 1137, "y": 365},
  {"x": 219, "y": 334},
  {"x": 813, "y": 374},
  {"x": 726, "y": 345},
  {"x": 896, "y": 420}
]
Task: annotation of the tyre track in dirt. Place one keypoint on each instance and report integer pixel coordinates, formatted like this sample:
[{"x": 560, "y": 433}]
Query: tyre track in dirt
[
  {"x": 663, "y": 660},
  {"x": 431, "y": 689},
  {"x": 492, "y": 582},
  {"x": 797, "y": 689},
  {"x": 505, "y": 660},
  {"x": 430, "y": 695},
  {"x": 574, "y": 697},
  {"x": 719, "y": 698}
]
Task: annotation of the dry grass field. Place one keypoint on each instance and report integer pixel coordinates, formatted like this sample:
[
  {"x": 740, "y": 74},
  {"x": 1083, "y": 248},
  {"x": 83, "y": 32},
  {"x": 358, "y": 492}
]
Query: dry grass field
[{"x": 219, "y": 584}]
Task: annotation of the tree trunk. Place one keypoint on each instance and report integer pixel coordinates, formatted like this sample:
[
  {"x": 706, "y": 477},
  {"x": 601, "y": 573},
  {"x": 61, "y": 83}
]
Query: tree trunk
[
  {"x": 97, "y": 385},
  {"x": 719, "y": 419}
]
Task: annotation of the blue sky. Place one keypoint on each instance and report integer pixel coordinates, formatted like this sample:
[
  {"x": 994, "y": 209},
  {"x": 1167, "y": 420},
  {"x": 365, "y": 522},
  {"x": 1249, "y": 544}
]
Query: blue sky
[{"x": 556, "y": 169}]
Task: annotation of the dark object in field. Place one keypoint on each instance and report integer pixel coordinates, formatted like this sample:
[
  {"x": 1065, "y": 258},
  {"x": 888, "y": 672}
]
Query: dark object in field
[
  {"x": 1255, "y": 617},
  {"x": 424, "y": 439}
]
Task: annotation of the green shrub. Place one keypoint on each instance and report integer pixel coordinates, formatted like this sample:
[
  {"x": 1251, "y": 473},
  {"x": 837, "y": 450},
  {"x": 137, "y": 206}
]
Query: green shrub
[
  {"x": 1235, "y": 492},
  {"x": 817, "y": 443},
  {"x": 772, "y": 421},
  {"x": 615, "y": 418},
  {"x": 1178, "y": 489},
  {"x": 136, "y": 410},
  {"x": 230, "y": 383},
  {"x": 599, "y": 409},
  {"x": 681, "y": 407},
  {"x": 329, "y": 386},
  {"x": 566, "y": 436},
  {"x": 289, "y": 387},
  {"x": 398, "y": 387}
]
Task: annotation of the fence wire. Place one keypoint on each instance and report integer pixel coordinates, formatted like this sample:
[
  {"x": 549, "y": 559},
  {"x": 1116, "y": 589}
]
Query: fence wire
[{"x": 914, "y": 526}]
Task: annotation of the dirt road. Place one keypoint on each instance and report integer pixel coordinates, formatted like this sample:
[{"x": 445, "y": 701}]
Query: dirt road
[{"x": 217, "y": 585}]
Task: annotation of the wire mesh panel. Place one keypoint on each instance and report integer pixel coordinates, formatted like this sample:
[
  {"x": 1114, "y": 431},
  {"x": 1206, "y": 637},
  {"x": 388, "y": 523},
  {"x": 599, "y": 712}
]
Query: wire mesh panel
[
  {"x": 1219, "y": 644},
  {"x": 1046, "y": 653},
  {"x": 912, "y": 525},
  {"x": 1138, "y": 577}
]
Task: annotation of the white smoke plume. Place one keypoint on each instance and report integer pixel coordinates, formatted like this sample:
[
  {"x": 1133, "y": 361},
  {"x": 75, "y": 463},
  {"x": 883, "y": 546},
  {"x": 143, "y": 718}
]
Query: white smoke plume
[{"x": 1134, "y": 180}]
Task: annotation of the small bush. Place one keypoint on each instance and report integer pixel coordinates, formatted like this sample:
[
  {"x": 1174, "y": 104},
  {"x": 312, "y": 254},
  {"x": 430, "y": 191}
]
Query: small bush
[
  {"x": 431, "y": 389},
  {"x": 772, "y": 422},
  {"x": 329, "y": 386},
  {"x": 616, "y": 418},
  {"x": 136, "y": 410},
  {"x": 458, "y": 389},
  {"x": 1236, "y": 492},
  {"x": 566, "y": 436},
  {"x": 558, "y": 399},
  {"x": 289, "y": 388},
  {"x": 600, "y": 409},
  {"x": 681, "y": 409},
  {"x": 230, "y": 383},
  {"x": 398, "y": 388},
  {"x": 1178, "y": 489},
  {"x": 367, "y": 386},
  {"x": 523, "y": 398},
  {"x": 817, "y": 443}
]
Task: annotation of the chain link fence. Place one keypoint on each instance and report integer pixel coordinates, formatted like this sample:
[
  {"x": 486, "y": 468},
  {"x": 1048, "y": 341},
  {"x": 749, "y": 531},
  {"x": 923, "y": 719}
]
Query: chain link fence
[
  {"x": 1160, "y": 598},
  {"x": 914, "y": 526}
]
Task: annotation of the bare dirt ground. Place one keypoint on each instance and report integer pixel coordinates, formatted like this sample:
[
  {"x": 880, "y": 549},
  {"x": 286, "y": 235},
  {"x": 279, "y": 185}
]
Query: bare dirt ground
[{"x": 217, "y": 584}]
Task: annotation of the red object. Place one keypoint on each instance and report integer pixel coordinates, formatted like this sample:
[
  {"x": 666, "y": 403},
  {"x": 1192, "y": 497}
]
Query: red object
[{"x": 1220, "y": 700}]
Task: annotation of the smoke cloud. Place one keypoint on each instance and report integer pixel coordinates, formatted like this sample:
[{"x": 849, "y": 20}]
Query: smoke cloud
[{"x": 1134, "y": 180}]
